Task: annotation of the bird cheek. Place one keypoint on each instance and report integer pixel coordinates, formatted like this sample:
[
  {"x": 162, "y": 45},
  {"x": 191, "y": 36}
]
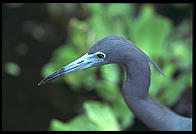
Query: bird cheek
[
  {"x": 105, "y": 62},
  {"x": 118, "y": 61}
]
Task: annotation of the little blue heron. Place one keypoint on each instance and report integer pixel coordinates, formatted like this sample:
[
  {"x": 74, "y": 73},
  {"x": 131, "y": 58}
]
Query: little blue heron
[{"x": 117, "y": 49}]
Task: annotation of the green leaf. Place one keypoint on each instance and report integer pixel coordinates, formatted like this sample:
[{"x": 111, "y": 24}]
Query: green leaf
[
  {"x": 107, "y": 90},
  {"x": 79, "y": 123},
  {"x": 102, "y": 116},
  {"x": 79, "y": 35},
  {"x": 12, "y": 68},
  {"x": 149, "y": 31},
  {"x": 80, "y": 78},
  {"x": 111, "y": 73},
  {"x": 98, "y": 21},
  {"x": 118, "y": 9},
  {"x": 65, "y": 54},
  {"x": 122, "y": 112}
]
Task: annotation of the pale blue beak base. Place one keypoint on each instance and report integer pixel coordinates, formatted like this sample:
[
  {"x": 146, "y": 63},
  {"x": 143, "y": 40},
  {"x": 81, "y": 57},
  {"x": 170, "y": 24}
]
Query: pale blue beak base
[{"x": 84, "y": 62}]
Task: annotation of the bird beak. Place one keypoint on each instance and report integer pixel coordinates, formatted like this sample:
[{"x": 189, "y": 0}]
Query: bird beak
[{"x": 83, "y": 62}]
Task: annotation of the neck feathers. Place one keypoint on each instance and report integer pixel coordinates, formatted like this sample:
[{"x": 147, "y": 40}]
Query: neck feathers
[
  {"x": 138, "y": 79},
  {"x": 154, "y": 115}
]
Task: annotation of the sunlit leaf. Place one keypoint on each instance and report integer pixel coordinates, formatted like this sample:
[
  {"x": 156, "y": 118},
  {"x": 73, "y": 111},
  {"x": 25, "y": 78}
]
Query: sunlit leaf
[
  {"x": 118, "y": 9},
  {"x": 107, "y": 90},
  {"x": 173, "y": 92},
  {"x": 79, "y": 123},
  {"x": 150, "y": 31},
  {"x": 110, "y": 73},
  {"x": 65, "y": 54},
  {"x": 122, "y": 112},
  {"x": 78, "y": 79},
  {"x": 102, "y": 115}
]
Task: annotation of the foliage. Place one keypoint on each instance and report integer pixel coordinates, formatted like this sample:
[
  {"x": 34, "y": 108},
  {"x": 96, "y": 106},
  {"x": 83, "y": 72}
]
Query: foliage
[{"x": 153, "y": 33}]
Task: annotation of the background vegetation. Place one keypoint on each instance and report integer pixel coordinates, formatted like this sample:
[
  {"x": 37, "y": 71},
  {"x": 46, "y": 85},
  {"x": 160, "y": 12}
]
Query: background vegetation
[{"x": 41, "y": 38}]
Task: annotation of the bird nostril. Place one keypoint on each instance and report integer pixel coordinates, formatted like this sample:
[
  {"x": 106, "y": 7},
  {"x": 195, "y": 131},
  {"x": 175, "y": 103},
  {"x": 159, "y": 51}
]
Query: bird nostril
[{"x": 80, "y": 62}]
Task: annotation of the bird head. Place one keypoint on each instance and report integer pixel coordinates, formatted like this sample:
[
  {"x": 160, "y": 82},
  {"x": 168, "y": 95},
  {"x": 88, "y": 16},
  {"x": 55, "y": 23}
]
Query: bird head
[{"x": 111, "y": 49}]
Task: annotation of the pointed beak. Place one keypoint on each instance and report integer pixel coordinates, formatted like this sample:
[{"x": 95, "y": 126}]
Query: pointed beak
[{"x": 84, "y": 62}]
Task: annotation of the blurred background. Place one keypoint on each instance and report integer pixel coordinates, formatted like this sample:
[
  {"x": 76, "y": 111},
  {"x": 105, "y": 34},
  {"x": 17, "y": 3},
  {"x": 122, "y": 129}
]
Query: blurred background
[{"x": 38, "y": 39}]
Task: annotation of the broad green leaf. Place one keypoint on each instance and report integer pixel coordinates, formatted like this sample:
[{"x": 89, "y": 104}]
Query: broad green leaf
[
  {"x": 107, "y": 90},
  {"x": 96, "y": 8},
  {"x": 98, "y": 22},
  {"x": 122, "y": 112},
  {"x": 80, "y": 78},
  {"x": 150, "y": 31},
  {"x": 65, "y": 54},
  {"x": 78, "y": 36},
  {"x": 117, "y": 10},
  {"x": 111, "y": 73},
  {"x": 102, "y": 115},
  {"x": 79, "y": 123}
]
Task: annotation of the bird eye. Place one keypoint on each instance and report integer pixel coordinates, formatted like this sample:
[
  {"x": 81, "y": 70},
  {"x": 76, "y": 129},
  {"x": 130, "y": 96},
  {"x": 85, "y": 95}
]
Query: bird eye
[{"x": 101, "y": 56}]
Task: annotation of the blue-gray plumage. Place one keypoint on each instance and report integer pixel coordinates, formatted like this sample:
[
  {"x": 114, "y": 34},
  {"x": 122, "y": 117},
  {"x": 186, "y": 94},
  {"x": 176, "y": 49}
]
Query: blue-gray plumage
[{"x": 116, "y": 49}]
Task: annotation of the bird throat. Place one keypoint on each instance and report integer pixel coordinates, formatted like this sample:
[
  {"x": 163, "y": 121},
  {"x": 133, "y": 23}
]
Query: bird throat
[{"x": 138, "y": 79}]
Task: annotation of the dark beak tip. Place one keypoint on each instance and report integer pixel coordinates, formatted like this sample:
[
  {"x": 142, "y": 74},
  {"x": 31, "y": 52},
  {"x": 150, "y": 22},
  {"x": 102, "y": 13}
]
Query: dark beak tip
[{"x": 40, "y": 83}]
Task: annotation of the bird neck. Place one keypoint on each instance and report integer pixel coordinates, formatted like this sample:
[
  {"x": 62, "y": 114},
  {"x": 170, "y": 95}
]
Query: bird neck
[
  {"x": 154, "y": 115},
  {"x": 138, "y": 79}
]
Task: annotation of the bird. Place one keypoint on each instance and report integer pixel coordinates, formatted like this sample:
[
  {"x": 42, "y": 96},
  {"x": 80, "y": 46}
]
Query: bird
[{"x": 116, "y": 49}]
